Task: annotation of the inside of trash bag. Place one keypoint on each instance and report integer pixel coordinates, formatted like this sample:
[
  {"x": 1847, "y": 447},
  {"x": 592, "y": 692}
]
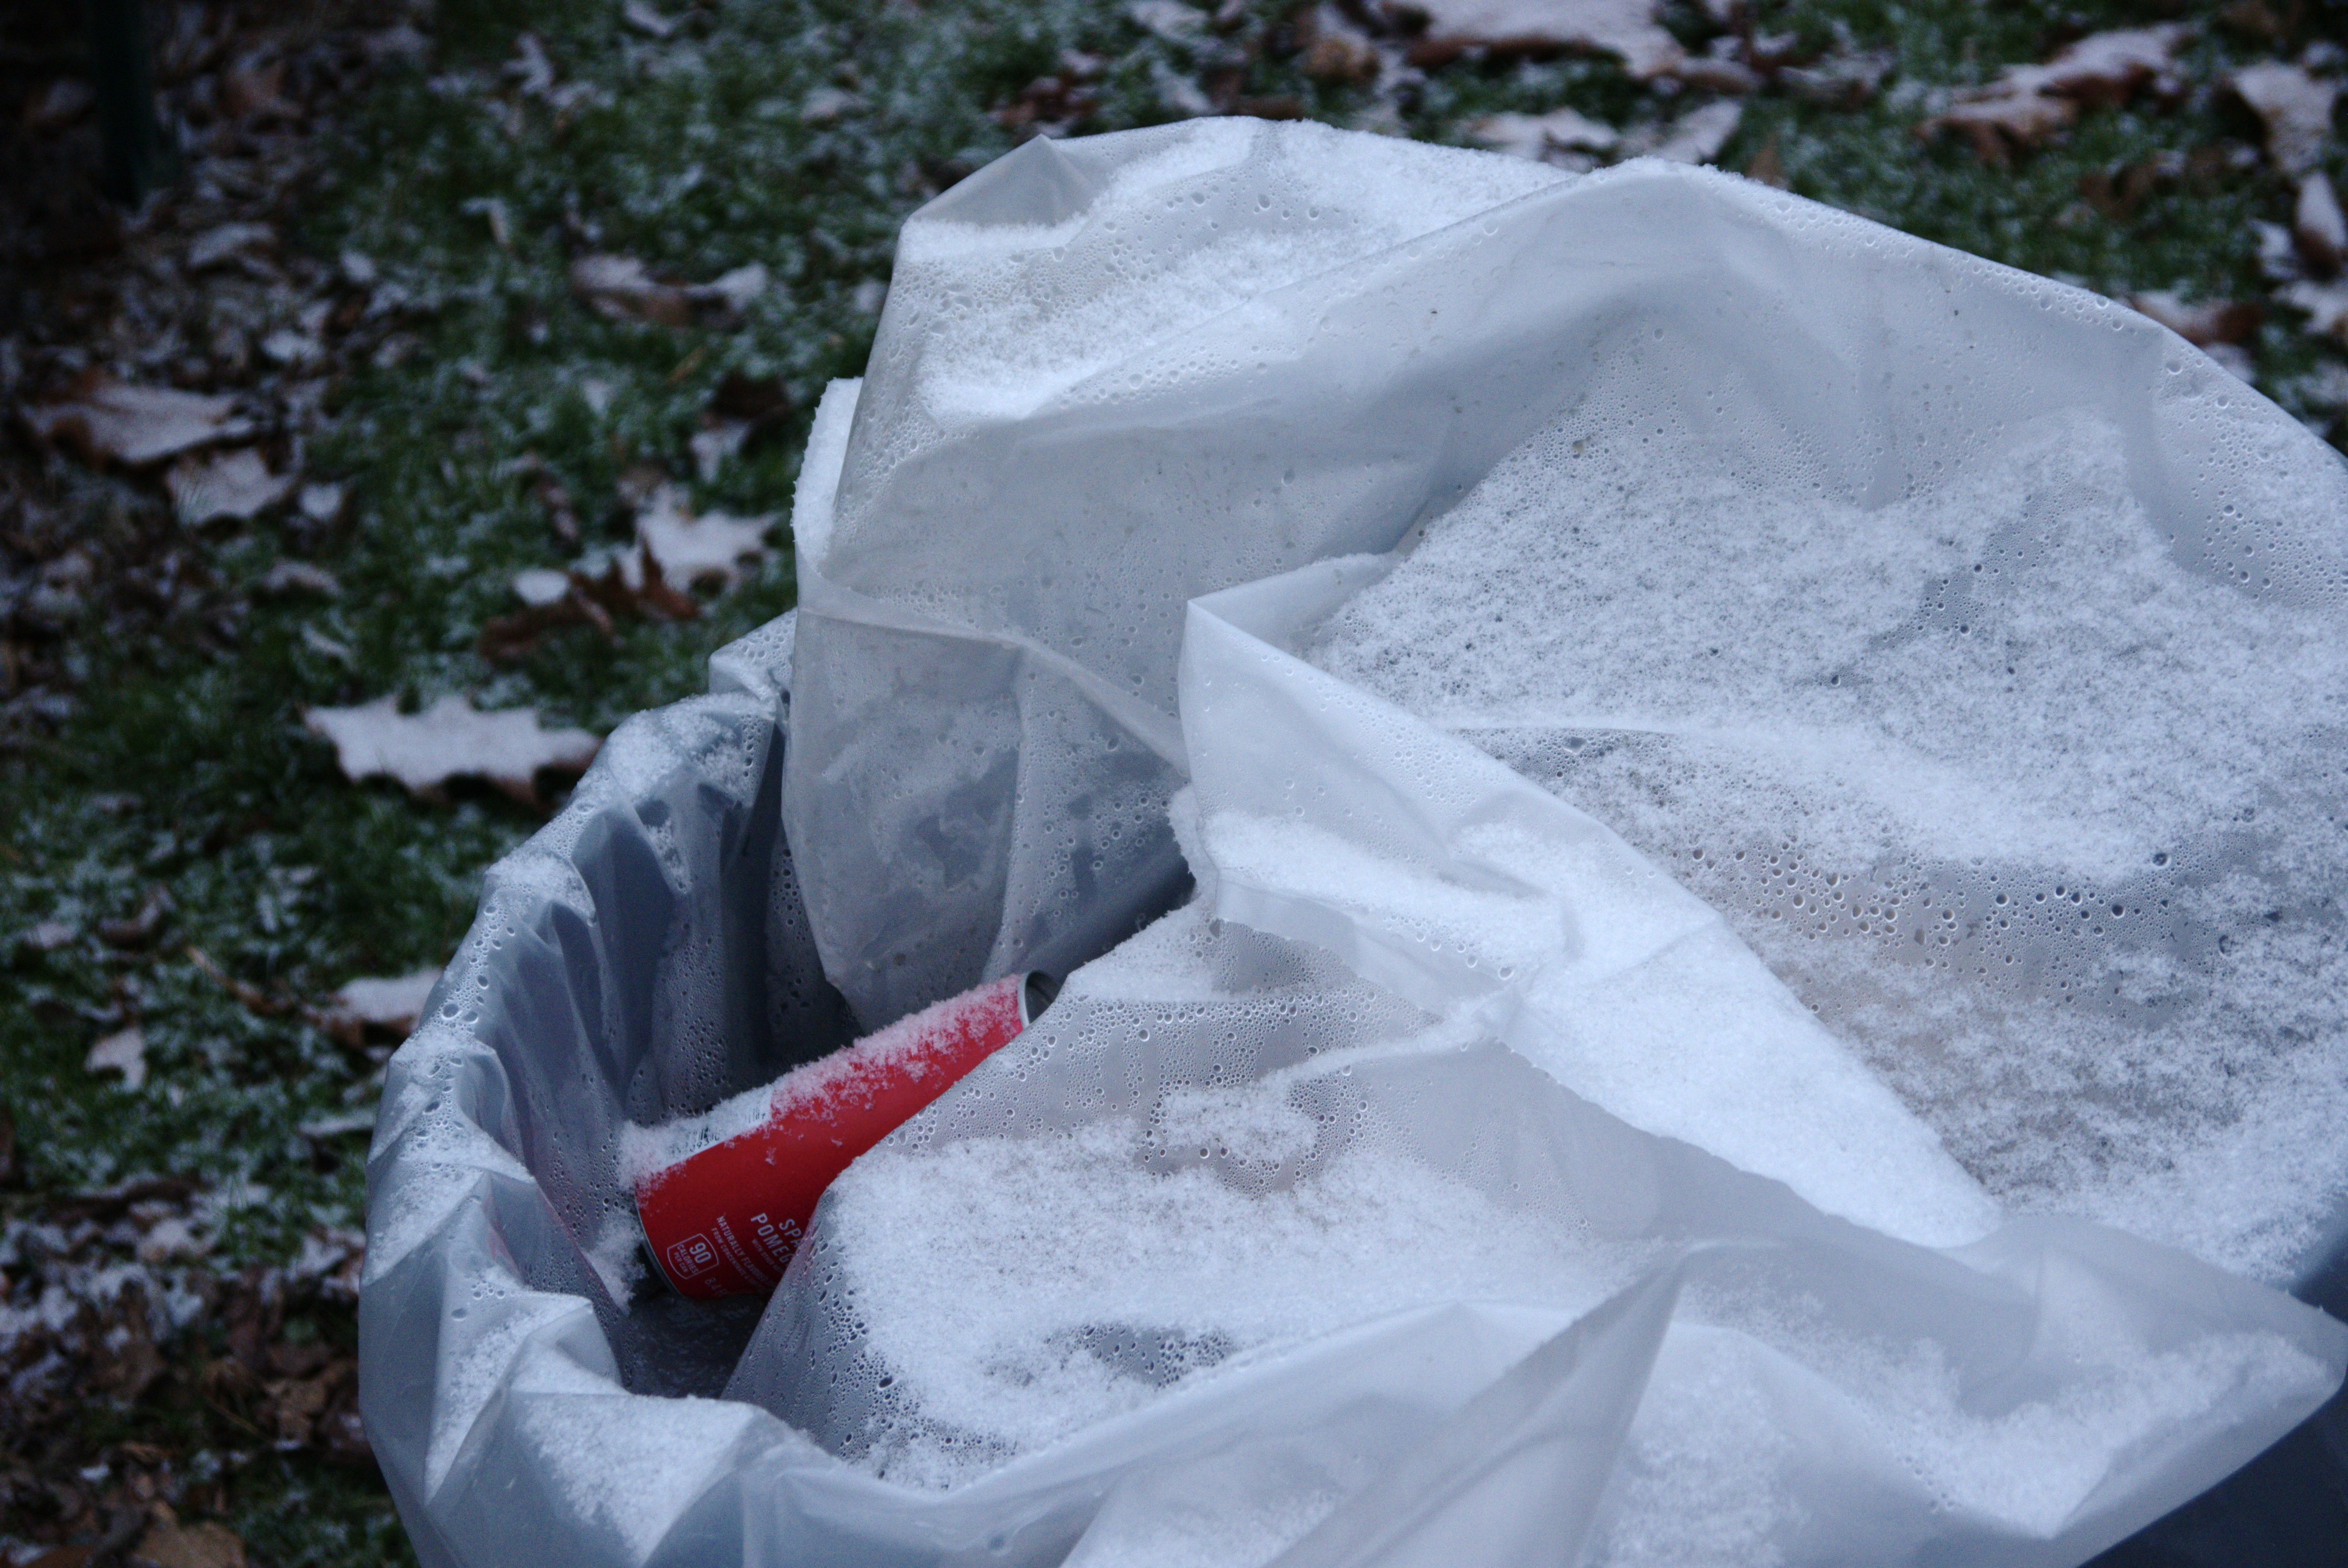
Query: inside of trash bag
[{"x": 1698, "y": 849}]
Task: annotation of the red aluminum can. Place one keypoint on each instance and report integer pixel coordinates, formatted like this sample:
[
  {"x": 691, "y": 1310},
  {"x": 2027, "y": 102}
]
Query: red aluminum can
[{"x": 726, "y": 1220}]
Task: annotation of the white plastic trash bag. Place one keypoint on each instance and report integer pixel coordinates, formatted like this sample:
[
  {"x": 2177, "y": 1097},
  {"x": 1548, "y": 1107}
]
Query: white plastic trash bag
[{"x": 1390, "y": 538}]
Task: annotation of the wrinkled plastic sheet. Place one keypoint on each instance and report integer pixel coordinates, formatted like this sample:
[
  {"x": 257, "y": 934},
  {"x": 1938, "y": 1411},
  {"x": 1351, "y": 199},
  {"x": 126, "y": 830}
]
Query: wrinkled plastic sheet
[{"x": 1402, "y": 958}]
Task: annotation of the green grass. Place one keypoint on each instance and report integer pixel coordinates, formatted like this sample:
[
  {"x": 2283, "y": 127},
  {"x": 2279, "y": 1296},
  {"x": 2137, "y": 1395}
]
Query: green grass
[{"x": 186, "y": 766}]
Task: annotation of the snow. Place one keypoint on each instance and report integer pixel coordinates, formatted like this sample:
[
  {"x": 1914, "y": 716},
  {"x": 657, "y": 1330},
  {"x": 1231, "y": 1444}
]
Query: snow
[{"x": 2001, "y": 786}]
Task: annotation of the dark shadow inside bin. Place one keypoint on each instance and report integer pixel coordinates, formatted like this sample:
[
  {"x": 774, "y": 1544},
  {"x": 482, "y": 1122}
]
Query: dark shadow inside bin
[
  {"x": 697, "y": 977},
  {"x": 690, "y": 976}
]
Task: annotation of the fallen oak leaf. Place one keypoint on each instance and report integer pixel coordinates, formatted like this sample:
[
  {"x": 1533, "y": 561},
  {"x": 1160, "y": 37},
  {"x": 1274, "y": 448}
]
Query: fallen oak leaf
[
  {"x": 551, "y": 598},
  {"x": 529, "y": 70},
  {"x": 251, "y": 89},
  {"x": 228, "y": 243},
  {"x": 1996, "y": 124},
  {"x": 1698, "y": 136},
  {"x": 689, "y": 552},
  {"x": 323, "y": 503},
  {"x": 207, "y": 1544},
  {"x": 1628, "y": 29},
  {"x": 1334, "y": 50},
  {"x": 2295, "y": 108},
  {"x": 388, "y": 1005},
  {"x": 2319, "y": 226},
  {"x": 2210, "y": 321},
  {"x": 2326, "y": 305},
  {"x": 732, "y": 290},
  {"x": 2106, "y": 69},
  {"x": 294, "y": 1405},
  {"x": 236, "y": 484},
  {"x": 717, "y": 442},
  {"x": 58, "y": 105},
  {"x": 298, "y": 577},
  {"x": 647, "y": 21},
  {"x": 1543, "y": 136},
  {"x": 540, "y": 586},
  {"x": 110, "y": 420},
  {"x": 2256, "y": 19},
  {"x": 2028, "y": 104},
  {"x": 1844, "y": 81},
  {"x": 450, "y": 740},
  {"x": 624, "y": 289},
  {"x": 138, "y": 930},
  {"x": 124, "y": 1051}
]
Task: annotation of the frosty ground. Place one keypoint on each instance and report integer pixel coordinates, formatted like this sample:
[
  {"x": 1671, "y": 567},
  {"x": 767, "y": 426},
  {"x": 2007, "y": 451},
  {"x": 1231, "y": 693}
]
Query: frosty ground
[{"x": 464, "y": 371}]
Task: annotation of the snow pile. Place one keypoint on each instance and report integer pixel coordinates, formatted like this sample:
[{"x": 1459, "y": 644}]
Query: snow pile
[{"x": 2042, "y": 819}]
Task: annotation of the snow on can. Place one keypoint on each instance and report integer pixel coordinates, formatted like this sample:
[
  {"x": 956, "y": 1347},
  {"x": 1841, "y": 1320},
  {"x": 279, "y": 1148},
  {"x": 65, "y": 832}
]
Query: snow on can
[{"x": 725, "y": 1220}]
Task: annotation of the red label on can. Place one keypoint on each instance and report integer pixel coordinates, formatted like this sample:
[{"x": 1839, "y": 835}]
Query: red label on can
[{"x": 725, "y": 1220}]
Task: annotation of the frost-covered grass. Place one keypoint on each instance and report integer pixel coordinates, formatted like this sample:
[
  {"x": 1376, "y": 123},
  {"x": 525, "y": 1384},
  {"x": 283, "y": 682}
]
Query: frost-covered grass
[{"x": 795, "y": 134}]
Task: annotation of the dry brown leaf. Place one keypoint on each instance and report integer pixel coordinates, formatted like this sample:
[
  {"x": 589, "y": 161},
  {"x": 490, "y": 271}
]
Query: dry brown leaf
[
  {"x": 390, "y": 1005},
  {"x": 1716, "y": 74},
  {"x": 58, "y": 105},
  {"x": 626, "y": 586},
  {"x": 2326, "y": 305},
  {"x": 111, "y": 421},
  {"x": 2257, "y": 19},
  {"x": 226, "y": 242},
  {"x": 692, "y": 552},
  {"x": 1626, "y": 28},
  {"x": 207, "y": 1544},
  {"x": 125, "y": 1052},
  {"x": 253, "y": 90},
  {"x": 715, "y": 443},
  {"x": 2318, "y": 226},
  {"x": 540, "y": 586},
  {"x": 826, "y": 105},
  {"x": 732, "y": 291},
  {"x": 1843, "y": 81},
  {"x": 1334, "y": 49},
  {"x": 529, "y": 69},
  {"x": 300, "y": 577},
  {"x": 624, "y": 289},
  {"x": 1698, "y": 136},
  {"x": 322, "y": 504},
  {"x": 235, "y": 484},
  {"x": 2106, "y": 69},
  {"x": 2201, "y": 325},
  {"x": 294, "y": 1405},
  {"x": 674, "y": 551},
  {"x": 138, "y": 930},
  {"x": 450, "y": 740},
  {"x": 1544, "y": 138},
  {"x": 47, "y": 936},
  {"x": 2028, "y": 104},
  {"x": 1997, "y": 124},
  {"x": 647, "y": 21},
  {"x": 64, "y": 1557},
  {"x": 2295, "y": 108}
]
